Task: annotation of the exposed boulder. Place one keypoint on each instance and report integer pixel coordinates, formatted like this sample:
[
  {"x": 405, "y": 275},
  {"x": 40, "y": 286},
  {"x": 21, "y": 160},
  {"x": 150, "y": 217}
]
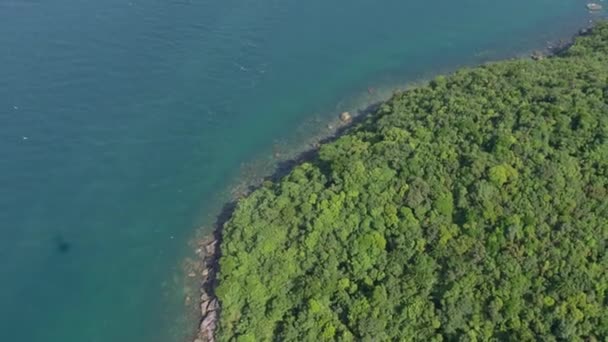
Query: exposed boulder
[
  {"x": 204, "y": 306},
  {"x": 345, "y": 117},
  {"x": 208, "y": 325},
  {"x": 537, "y": 56},
  {"x": 213, "y": 305},
  {"x": 209, "y": 306}
]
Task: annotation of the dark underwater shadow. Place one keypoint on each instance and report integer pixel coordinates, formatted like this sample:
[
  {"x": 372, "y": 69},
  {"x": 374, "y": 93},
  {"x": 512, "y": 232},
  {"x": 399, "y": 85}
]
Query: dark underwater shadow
[{"x": 62, "y": 246}]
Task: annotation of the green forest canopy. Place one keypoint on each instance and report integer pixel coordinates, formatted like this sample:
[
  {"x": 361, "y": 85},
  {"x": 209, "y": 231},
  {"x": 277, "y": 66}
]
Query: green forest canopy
[{"x": 473, "y": 208}]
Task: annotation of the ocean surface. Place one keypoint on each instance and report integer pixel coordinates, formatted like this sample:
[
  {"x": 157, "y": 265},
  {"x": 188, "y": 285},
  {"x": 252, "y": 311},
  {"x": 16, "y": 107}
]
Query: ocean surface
[{"x": 125, "y": 123}]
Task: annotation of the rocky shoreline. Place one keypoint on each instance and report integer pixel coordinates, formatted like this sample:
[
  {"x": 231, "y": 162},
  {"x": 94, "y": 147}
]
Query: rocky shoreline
[{"x": 208, "y": 255}]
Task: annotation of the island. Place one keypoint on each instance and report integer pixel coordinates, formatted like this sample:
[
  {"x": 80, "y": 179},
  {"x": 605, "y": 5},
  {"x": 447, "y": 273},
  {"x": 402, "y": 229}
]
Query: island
[{"x": 473, "y": 208}]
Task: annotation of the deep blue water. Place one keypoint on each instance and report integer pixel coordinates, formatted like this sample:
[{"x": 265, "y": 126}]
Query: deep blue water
[{"x": 123, "y": 123}]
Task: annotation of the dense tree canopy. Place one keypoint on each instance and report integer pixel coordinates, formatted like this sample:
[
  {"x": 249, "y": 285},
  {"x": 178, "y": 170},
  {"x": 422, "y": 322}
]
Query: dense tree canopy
[{"x": 473, "y": 208}]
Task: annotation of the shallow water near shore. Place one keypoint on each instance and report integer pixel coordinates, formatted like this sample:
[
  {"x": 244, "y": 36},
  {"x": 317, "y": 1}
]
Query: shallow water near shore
[{"x": 125, "y": 124}]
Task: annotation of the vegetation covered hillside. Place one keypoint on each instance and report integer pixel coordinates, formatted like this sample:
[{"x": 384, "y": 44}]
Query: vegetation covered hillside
[{"x": 474, "y": 208}]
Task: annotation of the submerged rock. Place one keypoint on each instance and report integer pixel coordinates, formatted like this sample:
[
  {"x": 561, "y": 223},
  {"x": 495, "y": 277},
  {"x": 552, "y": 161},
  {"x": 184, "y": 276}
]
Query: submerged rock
[{"x": 210, "y": 248}]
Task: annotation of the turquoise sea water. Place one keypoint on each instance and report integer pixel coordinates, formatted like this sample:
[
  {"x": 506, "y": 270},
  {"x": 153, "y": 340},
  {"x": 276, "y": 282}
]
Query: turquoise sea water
[{"x": 122, "y": 123}]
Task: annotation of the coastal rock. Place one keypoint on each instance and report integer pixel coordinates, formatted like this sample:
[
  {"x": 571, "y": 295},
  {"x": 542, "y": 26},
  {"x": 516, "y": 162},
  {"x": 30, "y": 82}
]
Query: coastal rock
[
  {"x": 537, "y": 56},
  {"x": 209, "y": 306},
  {"x": 594, "y": 7},
  {"x": 208, "y": 324},
  {"x": 345, "y": 117},
  {"x": 204, "y": 307},
  {"x": 213, "y": 305},
  {"x": 210, "y": 247}
]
